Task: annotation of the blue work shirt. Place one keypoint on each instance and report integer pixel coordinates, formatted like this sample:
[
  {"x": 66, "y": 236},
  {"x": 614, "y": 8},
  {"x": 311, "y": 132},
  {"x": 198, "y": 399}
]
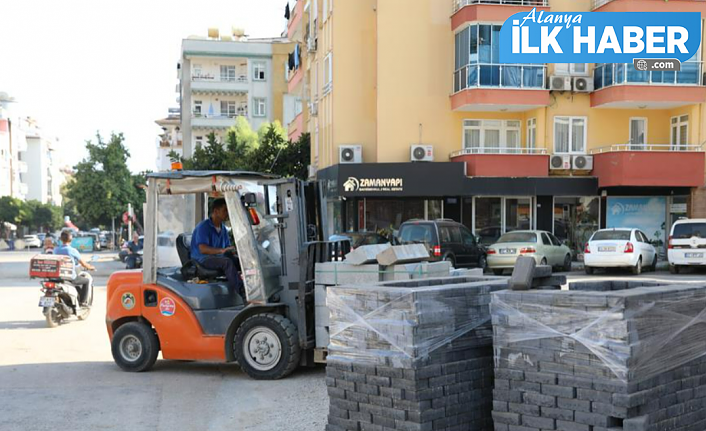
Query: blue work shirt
[
  {"x": 67, "y": 250},
  {"x": 206, "y": 233}
]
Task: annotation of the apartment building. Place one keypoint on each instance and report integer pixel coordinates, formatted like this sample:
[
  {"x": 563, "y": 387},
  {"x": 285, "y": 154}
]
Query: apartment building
[
  {"x": 43, "y": 176},
  {"x": 12, "y": 144},
  {"x": 171, "y": 139},
  {"x": 412, "y": 116},
  {"x": 229, "y": 76}
]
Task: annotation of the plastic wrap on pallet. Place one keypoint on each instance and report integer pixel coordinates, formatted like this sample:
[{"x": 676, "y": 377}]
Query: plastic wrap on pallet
[
  {"x": 631, "y": 335},
  {"x": 402, "y": 324}
]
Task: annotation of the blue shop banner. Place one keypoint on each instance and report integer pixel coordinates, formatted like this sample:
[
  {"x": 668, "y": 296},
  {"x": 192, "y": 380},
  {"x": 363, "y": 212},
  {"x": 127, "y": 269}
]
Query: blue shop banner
[
  {"x": 84, "y": 243},
  {"x": 649, "y": 214}
]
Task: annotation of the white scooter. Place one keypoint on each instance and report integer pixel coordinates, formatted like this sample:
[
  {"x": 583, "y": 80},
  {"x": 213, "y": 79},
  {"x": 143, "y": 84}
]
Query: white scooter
[{"x": 61, "y": 299}]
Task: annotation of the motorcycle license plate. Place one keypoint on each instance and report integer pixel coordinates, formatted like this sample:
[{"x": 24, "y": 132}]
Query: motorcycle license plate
[
  {"x": 46, "y": 301},
  {"x": 693, "y": 255}
]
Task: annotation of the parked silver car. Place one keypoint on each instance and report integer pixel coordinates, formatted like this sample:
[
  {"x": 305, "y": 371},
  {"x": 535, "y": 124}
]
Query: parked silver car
[{"x": 544, "y": 247}]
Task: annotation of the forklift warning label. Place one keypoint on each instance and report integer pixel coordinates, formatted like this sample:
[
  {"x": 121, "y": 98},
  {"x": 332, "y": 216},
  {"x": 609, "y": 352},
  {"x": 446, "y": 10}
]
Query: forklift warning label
[{"x": 167, "y": 306}]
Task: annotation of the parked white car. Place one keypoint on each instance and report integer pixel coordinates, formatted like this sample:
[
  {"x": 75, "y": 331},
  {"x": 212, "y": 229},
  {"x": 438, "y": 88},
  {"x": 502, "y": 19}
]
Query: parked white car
[
  {"x": 32, "y": 241},
  {"x": 619, "y": 248},
  {"x": 687, "y": 244},
  {"x": 544, "y": 247}
]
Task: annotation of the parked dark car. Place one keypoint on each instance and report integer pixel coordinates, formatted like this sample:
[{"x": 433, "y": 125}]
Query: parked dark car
[
  {"x": 447, "y": 240},
  {"x": 360, "y": 238}
]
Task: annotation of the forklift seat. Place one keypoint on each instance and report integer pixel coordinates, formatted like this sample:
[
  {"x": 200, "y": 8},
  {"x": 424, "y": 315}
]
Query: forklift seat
[{"x": 191, "y": 268}]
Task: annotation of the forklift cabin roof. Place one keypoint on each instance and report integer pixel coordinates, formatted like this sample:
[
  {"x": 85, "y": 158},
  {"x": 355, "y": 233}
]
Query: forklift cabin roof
[{"x": 181, "y": 182}]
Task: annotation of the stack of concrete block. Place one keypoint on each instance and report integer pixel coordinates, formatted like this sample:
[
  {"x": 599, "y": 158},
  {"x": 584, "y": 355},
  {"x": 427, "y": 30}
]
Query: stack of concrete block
[
  {"x": 411, "y": 355},
  {"x": 412, "y": 271},
  {"x": 628, "y": 358},
  {"x": 408, "y": 253},
  {"x": 366, "y": 254},
  {"x": 611, "y": 285}
]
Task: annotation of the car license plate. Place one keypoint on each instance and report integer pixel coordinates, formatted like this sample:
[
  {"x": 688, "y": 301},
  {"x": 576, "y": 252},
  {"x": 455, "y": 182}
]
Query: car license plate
[
  {"x": 507, "y": 251},
  {"x": 606, "y": 249},
  {"x": 693, "y": 255},
  {"x": 46, "y": 301}
]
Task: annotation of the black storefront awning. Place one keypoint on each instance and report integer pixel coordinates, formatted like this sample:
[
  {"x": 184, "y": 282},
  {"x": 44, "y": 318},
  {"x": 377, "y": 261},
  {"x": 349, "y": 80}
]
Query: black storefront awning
[{"x": 442, "y": 179}]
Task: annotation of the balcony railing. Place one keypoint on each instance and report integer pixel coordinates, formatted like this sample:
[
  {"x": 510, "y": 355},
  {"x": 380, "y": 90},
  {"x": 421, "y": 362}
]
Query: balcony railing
[
  {"x": 648, "y": 147},
  {"x": 520, "y": 76},
  {"x": 240, "y": 113},
  {"x": 498, "y": 150},
  {"x": 609, "y": 74},
  {"x": 595, "y": 4},
  {"x": 458, "y": 4},
  {"x": 211, "y": 78}
]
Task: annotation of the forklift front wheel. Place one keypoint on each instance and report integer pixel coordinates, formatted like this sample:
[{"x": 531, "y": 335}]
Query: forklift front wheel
[
  {"x": 266, "y": 346},
  {"x": 135, "y": 347}
]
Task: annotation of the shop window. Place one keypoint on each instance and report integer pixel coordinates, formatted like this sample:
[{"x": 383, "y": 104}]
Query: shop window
[
  {"x": 488, "y": 219},
  {"x": 570, "y": 135},
  {"x": 575, "y": 220},
  {"x": 434, "y": 209},
  {"x": 389, "y": 214},
  {"x": 518, "y": 214}
]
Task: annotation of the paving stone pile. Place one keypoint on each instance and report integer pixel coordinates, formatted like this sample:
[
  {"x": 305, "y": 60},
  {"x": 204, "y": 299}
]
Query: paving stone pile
[
  {"x": 411, "y": 355},
  {"x": 607, "y": 356}
]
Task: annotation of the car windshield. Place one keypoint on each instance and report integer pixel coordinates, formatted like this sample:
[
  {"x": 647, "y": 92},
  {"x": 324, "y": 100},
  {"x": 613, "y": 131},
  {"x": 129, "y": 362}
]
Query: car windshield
[
  {"x": 518, "y": 237},
  {"x": 420, "y": 233},
  {"x": 611, "y": 235},
  {"x": 688, "y": 230}
]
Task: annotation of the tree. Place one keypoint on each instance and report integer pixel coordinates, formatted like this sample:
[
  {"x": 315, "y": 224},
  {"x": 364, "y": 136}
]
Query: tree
[
  {"x": 294, "y": 159},
  {"x": 12, "y": 210},
  {"x": 103, "y": 185},
  {"x": 44, "y": 217}
]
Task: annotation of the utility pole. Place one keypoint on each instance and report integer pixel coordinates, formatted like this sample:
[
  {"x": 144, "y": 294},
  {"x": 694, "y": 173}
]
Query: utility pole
[{"x": 129, "y": 222}]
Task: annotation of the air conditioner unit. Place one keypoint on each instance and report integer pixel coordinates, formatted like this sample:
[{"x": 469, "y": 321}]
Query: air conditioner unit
[
  {"x": 582, "y": 163},
  {"x": 583, "y": 84},
  {"x": 312, "y": 171},
  {"x": 350, "y": 154},
  {"x": 560, "y": 162},
  {"x": 314, "y": 109},
  {"x": 311, "y": 44},
  {"x": 421, "y": 153},
  {"x": 560, "y": 83}
]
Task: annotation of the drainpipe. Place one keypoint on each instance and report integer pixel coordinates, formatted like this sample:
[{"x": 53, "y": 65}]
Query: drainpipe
[{"x": 12, "y": 171}]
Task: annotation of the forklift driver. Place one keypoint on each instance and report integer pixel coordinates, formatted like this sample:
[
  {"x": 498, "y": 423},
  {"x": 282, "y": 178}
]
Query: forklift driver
[{"x": 210, "y": 246}]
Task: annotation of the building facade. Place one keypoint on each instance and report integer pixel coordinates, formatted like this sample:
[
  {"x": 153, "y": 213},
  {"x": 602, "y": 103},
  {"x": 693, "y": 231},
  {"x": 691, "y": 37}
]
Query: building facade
[
  {"x": 171, "y": 139},
  {"x": 411, "y": 115},
  {"x": 43, "y": 176},
  {"x": 221, "y": 78}
]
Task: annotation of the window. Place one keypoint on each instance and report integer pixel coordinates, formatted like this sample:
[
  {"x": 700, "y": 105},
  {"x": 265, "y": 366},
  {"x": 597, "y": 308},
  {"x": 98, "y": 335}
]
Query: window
[
  {"x": 316, "y": 81},
  {"x": 229, "y": 108},
  {"x": 545, "y": 239},
  {"x": 680, "y": 132},
  {"x": 325, "y": 10},
  {"x": 638, "y": 133},
  {"x": 531, "y": 133},
  {"x": 199, "y": 140},
  {"x": 468, "y": 237},
  {"x": 328, "y": 74},
  {"x": 570, "y": 135},
  {"x": 260, "y": 107},
  {"x": 580, "y": 69},
  {"x": 555, "y": 240},
  {"x": 477, "y": 62},
  {"x": 297, "y": 106},
  {"x": 227, "y": 73},
  {"x": 197, "y": 71},
  {"x": 259, "y": 71},
  {"x": 197, "y": 107},
  {"x": 491, "y": 136}
]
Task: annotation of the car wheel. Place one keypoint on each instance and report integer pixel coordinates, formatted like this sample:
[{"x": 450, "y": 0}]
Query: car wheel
[
  {"x": 543, "y": 261},
  {"x": 653, "y": 267},
  {"x": 266, "y": 346},
  {"x": 498, "y": 271},
  {"x": 567, "y": 263},
  {"x": 637, "y": 269},
  {"x": 451, "y": 260},
  {"x": 482, "y": 262},
  {"x": 589, "y": 270}
]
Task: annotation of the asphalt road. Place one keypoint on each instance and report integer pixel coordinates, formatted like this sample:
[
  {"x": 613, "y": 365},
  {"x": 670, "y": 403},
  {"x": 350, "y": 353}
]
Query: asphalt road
[{"x": 65, "y": 378}]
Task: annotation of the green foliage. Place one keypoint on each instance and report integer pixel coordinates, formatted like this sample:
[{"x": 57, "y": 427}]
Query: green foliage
[
  {"x": 103, "y": 184},
  {"x": 44, "y": 217},
  {"x": 12, "y": 210},
  {"x": 271, "y": 152}
]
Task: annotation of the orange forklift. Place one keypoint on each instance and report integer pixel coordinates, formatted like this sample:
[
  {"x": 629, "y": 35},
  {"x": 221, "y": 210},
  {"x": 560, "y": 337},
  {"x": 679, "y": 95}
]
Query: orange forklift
[{"x": 187, "y": 312}]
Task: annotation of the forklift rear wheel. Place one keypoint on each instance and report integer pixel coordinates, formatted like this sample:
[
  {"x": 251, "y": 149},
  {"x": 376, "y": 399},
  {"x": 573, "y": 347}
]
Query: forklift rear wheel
[
  {"x": 135, "y": 347},
  {"x": 266, "y": 346}
]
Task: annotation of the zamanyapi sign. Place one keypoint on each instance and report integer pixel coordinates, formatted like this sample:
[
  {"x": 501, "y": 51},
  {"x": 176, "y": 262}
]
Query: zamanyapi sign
[{"x": 354, "y": 184}]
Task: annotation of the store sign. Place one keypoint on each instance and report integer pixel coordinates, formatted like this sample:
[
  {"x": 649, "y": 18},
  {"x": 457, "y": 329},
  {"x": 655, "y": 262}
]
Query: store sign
[
  {"x": 645, "y": 213},
  {"x": 678, "y": 208},
  {"x": 354, "y": 184}
]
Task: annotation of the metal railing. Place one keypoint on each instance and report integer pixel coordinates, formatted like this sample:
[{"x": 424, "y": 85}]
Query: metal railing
[
  {"x": 220, "y": 116},
  {"x": 610, "y": 74},
  {"x": 498, "y": 150},
  {"x": 480, "y": 75},
  {"x": 211, "y": 78},
  {"x": 459, "y": 4},
  {"x": 648, "y": 147},
  {"x": 598, "y": 3}
]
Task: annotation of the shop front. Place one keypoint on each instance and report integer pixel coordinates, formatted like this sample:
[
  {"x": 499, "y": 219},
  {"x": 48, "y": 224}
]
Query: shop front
[{"x": 380, "y": 197}]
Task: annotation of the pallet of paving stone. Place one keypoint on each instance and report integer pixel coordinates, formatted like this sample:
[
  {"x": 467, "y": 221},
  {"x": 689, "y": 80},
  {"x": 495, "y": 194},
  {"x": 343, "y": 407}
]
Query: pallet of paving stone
[
  {"x": 411, "y": 355},
  {"x": 620, "y": 357}
]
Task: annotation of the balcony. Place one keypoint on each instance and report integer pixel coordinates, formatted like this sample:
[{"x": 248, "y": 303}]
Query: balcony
[
  {"x": 622, "y": 86},
  {"x": 499, "y": 87},
  {"x": 207, "y": 84},
  {"x": 215, "y": 121},
  {"x": 503, "y": 162},
  {"x": 465, "y": 11},
  {"x": 294, "y": 78},
  {"x": 649, "y": 6},
  {"x": 655, "y": 165}
]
